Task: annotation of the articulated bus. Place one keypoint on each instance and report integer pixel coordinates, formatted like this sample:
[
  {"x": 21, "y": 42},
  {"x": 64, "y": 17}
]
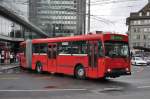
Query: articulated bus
[{"x": 93, "y": 55}]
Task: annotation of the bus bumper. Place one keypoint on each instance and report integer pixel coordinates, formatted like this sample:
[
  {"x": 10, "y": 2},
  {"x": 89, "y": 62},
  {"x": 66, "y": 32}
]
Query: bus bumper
[{"x": 117, "y": 73}]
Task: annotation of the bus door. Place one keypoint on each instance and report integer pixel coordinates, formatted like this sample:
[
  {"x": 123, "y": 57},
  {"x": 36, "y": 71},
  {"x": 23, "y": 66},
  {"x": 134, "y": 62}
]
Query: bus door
[
  {"x": 52, "y": 57},
  {"x": 93, "y": 58}
]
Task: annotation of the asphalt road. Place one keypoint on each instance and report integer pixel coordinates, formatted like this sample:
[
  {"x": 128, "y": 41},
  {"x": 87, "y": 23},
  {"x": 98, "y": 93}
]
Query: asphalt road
[{"x": 23, "y": 84}]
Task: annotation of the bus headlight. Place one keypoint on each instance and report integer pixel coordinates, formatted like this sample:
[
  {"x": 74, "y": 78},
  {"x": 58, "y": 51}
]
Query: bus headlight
[
  {"x": 127, "y": 69},
  {"x": 108, "y": 70}
]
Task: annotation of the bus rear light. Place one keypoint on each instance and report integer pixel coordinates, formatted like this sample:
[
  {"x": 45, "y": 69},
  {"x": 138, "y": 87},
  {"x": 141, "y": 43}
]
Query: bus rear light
[{"x": 108, "y": 70}]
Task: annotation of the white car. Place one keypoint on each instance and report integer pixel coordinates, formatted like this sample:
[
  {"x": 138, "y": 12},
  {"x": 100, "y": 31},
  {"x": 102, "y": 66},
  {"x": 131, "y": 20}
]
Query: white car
[
  {"x": 147, "y": 59},
  {"x": 138, "y": 61}
]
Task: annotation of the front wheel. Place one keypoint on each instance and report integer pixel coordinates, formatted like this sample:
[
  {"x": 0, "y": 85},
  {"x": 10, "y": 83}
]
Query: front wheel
[
  {"x": 80, "y": 72},
  {"x": 39, "y": 68}
]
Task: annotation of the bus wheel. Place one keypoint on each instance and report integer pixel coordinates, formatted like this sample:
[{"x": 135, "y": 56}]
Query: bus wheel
[
  {"x": 80, "y": 72},
  {"x": 39, "y": 68}
]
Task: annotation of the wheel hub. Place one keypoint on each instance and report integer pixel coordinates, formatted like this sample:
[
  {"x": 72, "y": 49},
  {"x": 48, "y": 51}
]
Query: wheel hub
[{"x": 80, "y": 72}]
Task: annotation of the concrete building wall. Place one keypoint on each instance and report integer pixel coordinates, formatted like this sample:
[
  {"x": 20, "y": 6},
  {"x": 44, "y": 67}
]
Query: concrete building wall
[
  {"x": 139, "y": 33},
  {"x": 59, "y": 17},
  {"x": 139, "y": 28}
]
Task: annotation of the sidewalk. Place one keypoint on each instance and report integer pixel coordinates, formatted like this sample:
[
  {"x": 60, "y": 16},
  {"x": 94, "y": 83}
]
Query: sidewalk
[{"x": 8, "y": 66}]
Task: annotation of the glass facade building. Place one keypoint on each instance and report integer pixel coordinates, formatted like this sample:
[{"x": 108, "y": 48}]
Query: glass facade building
[
  {"x": 59, "y": 17},
  {"x": 15, "y": 29}
]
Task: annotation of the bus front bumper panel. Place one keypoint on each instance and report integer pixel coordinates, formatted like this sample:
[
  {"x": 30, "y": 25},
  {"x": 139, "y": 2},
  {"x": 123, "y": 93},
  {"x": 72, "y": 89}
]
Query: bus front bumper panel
[{"x": 117, "y": 73}]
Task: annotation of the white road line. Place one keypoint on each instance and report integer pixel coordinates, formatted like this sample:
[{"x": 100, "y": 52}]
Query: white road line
[
  {"x": 9, "y": 78},
  {"x": 117, "y": 88},
  {"x": 143, "y": 87},
  {"x": 43, "y": 90}
]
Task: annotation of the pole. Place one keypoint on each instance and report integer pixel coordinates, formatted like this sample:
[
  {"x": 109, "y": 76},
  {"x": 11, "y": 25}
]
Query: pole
[{"x": 89, "y": 13}]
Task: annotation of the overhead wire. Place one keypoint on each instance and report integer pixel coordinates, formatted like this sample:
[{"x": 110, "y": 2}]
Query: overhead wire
[{"x": 111, "y": 2}]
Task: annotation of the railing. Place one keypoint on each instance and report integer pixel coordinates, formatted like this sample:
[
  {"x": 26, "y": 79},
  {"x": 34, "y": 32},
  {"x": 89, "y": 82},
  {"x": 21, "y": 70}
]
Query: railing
[{"x": 7, "y": 38}]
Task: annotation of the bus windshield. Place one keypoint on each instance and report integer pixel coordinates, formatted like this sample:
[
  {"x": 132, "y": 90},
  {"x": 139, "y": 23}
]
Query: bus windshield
[{"x": 116, "y": 49}]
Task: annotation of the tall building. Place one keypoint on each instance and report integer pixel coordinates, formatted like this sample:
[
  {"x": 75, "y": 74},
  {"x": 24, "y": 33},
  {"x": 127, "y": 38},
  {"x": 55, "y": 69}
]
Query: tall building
[
  {"x": 59, "y": 17},
  {"x": 139, "y": 27},
  {"x": 14, "y": 29},
  {"x": 16, "y": 6}
]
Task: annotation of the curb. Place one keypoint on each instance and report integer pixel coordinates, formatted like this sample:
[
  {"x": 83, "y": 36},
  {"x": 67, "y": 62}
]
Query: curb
[{"x": 7, "y": 68}]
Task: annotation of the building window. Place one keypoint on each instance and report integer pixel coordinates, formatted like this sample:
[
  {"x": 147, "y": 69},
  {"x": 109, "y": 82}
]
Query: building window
[
  {"x": 136, "y": 30},
  {"x": 134, "y": 44},
  {"x": 148, "y": 21},
  {"x": 148, "y": 37},
  {"x": 145, "y": 29},
  {"x": 145, "y": 44},
  {"x": 145, "y": 37},
  {"x": 134, "y": 37},
  {"x": 135, "y": 22},
  {"x": 137, "y": 37},
  {"x": 148, "y": 14},
  {"x": 137, "y": 44},
  {"x": 138, "y": 22},
  {"x": 140, "y": 14},
  {"x": 145, "y": 21}
]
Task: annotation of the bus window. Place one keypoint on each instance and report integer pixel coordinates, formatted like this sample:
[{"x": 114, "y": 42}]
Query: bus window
[
  {"x": 100, "y": 49},
  {"x": 64, "y": 48},
  {"x": 49, "y": 52},
  {"x": 39, "y": 48},
  {"x": 54, "y": 51},
  {"x": 116, "y": 49},
  {"x": 35, "y": 48},
  {"x": 43, "y": 48},
  {"x": 79, "y": 47},
  {"x": 22, "y": 49}
]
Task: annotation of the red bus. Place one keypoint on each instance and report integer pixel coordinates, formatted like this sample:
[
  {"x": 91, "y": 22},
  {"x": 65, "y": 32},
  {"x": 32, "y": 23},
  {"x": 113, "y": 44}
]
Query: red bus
[{"x": 92, "y": 56}]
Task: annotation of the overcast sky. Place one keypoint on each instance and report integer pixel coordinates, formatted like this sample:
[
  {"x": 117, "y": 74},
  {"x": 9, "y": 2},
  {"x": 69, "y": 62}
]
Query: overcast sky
[
  {"x": 107, "y": 15},
  {"x": 115, "y": 14}
]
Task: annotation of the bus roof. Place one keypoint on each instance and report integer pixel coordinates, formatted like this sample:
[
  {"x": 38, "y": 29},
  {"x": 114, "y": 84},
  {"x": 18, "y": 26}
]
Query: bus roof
[{"x": 104, "y": 37}]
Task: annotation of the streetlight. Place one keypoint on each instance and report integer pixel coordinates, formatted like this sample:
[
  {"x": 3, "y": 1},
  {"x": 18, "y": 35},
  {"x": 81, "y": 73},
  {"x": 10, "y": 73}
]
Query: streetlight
[{"x": 89, "y": 13}]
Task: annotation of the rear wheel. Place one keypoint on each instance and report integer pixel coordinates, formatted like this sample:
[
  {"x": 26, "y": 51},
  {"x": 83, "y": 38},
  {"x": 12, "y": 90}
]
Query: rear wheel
[
  {"x": 103, "y": 79},
  {"x": 80, "y": 72},
  {"x": 39, "y": 68}
]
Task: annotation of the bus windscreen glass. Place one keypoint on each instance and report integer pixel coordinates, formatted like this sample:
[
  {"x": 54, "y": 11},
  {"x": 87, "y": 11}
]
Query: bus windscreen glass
[{"x": 116, "y": 49}]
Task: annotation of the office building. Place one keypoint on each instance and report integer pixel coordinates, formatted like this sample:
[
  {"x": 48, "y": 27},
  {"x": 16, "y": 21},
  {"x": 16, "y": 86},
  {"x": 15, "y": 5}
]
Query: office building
[
  {"x": 139, "y": 28},
  {"x": 59, "y": 17}
]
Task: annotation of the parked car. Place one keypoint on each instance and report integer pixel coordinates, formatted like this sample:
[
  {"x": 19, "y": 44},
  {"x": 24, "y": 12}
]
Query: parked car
[
  {"x": 138, "y": 61},
  {"x": 147, "y": 59}
]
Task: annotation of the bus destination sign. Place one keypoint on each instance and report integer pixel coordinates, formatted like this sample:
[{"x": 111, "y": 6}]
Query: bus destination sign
[{"x": 116, "y": 37}]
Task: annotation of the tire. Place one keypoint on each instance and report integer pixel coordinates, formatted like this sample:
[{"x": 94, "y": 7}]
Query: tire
[
  {"x": 39, "y": 68},
  {"x": 103, "y": 79},
  {"x": 80, "y": 72}
]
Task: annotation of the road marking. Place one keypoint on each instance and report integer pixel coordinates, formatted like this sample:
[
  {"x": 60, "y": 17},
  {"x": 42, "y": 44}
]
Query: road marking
[
  {"x": 43, "y": 78},
  {"x": 43, "y": 90},
  {"x": 8, "y": 78},
  {"x": 143, "y": 87},
  {"x": 109, "y": 89},
  {"x": 141, "y": 70}
]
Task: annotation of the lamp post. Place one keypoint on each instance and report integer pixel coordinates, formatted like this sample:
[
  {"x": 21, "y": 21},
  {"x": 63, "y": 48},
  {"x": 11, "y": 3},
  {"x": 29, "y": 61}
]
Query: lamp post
[{"x": 89, "y": 13}]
